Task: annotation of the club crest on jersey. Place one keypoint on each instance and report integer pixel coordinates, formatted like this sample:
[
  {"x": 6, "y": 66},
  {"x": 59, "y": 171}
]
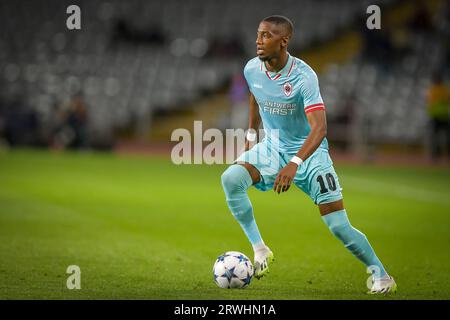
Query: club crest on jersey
[{"x": 287, "y": 88}]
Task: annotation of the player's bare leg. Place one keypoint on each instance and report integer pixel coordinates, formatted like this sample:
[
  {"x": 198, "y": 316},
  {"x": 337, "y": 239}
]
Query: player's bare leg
[
  {"x": 335, "y": 217},
  {"x": 240, "y": 206}
]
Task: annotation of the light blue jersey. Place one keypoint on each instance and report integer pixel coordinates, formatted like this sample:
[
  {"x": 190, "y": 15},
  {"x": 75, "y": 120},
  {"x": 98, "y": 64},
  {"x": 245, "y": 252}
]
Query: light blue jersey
[{"x": 284, "y": 98}]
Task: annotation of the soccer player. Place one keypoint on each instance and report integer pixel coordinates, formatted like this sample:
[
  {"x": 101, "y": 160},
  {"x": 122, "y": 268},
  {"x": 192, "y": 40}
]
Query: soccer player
[{"x": 284, "y": 94}]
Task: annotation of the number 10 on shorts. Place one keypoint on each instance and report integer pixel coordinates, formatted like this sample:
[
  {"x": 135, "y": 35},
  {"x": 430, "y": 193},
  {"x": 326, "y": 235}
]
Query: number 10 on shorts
[{"x": 330, "y": 182}]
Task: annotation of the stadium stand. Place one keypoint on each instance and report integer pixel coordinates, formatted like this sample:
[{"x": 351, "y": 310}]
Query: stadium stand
[{"x": 133, "y": 58}]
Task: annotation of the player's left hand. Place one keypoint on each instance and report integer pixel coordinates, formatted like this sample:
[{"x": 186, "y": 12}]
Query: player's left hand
[{"x": 285, "y": 177}]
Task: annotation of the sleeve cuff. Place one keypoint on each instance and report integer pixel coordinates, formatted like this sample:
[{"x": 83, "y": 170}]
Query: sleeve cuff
[{"x": 314, "y": 107}]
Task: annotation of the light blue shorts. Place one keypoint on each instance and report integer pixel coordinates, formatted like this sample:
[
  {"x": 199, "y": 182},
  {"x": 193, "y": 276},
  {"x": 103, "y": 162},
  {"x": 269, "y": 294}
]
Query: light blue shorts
[{"x": 315, "y": 176}]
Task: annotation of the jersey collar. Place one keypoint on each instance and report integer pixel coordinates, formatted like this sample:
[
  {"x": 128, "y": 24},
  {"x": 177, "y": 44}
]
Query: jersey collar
[{"x": 287, "y": 69}]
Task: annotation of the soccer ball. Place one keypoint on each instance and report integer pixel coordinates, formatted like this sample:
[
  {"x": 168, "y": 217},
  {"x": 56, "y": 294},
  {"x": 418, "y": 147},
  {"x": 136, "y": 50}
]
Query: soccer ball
[{"x": 233, "y": 270}]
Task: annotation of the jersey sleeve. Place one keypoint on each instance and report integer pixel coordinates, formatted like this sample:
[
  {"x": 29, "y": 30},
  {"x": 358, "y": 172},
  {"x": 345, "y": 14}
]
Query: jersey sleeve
[{"x": 310, "y": 92}]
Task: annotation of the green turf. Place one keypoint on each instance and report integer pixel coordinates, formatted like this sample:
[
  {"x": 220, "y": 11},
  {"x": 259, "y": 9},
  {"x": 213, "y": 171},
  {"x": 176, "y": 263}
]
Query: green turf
[{"x": 143, "y": 228}]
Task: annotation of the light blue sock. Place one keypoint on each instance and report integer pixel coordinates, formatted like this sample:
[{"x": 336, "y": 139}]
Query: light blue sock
[
  {"x": 353, "y": 239},
  {"x": 235, "y": 181}
]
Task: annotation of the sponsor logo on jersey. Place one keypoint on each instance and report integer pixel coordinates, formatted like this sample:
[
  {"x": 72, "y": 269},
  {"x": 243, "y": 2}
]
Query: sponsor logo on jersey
[{"x": 278, "y": 108}]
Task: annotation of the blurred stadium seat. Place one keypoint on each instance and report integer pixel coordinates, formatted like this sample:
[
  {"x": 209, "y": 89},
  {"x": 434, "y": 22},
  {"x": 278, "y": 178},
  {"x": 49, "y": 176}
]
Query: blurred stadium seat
[{"x": 132, "y": 58}]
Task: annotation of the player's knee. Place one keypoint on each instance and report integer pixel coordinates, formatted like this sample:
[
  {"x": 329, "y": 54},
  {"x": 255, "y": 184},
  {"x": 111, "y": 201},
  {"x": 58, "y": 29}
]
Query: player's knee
[
  {"x": 232, "y": 179},
  {"x": 228, "y": 180}
]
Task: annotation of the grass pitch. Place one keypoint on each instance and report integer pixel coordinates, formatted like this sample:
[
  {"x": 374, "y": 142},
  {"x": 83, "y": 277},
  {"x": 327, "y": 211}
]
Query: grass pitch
[{"x": 143, "y": 228}]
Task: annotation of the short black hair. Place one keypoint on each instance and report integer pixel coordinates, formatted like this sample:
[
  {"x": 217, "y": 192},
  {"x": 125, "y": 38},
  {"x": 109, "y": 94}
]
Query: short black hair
[{"x": 286, "y": 22}]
